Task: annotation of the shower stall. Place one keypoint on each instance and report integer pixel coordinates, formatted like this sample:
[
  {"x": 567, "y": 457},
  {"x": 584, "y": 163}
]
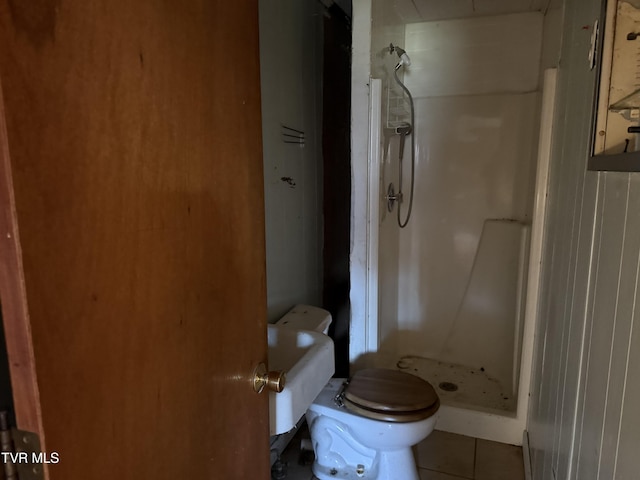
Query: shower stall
[{"x": 451, "y": 296}]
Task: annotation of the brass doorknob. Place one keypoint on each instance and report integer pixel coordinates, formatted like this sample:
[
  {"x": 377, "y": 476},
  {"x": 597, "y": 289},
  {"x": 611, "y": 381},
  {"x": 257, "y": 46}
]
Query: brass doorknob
[{"x": 262, "y": 378}]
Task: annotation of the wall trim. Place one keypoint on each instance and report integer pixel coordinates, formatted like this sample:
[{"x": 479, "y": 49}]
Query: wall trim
[
  {"x": 372, "y": 329},
  {"x": 526, "y": 456},
  {"x": 358, "y": 266}
]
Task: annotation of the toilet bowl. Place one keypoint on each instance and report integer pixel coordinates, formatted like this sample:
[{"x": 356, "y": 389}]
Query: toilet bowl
[{"x": 365, "y": 427}]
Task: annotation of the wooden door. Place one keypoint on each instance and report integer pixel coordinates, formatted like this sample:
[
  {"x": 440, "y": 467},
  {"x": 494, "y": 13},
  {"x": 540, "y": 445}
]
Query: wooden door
[{"x": 132, "y": 240}]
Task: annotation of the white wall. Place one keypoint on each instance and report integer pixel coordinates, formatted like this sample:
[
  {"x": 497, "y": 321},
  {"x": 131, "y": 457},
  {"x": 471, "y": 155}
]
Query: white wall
[
  {"x": 382, "y": 65},
  {"x": 414, "y": 11},
  {"x": 475, "y": 161},
  {"x": 291, "y": 71},
  {"x": 475, "y": 56},
  {"x": 362, "y": 336},
  {"x": 584, "y": 421}
]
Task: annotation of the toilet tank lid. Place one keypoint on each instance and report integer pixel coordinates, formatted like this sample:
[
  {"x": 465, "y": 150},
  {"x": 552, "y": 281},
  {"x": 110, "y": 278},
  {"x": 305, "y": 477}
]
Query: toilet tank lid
[{"x": 307, "y": 317}]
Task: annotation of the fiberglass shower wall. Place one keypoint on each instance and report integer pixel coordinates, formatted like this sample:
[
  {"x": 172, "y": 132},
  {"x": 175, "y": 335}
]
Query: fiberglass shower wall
[{"x": 451, "y": 282}]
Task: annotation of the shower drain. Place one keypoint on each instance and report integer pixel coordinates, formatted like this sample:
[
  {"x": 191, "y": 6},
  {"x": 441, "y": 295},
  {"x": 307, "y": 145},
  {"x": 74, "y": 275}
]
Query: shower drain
[{"x": 448, "y": 386}]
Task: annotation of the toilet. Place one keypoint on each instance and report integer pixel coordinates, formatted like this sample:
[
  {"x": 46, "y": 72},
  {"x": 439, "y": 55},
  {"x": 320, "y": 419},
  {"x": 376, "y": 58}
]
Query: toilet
[{"x": 365, "y": 426}]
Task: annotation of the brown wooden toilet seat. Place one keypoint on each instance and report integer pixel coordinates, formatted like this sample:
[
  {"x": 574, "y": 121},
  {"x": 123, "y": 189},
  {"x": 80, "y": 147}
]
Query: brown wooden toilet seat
[{"x": 390, "y": 395}]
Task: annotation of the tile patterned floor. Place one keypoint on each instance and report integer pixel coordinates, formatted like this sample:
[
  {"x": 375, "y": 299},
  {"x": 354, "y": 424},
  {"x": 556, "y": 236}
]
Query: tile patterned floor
[{"x": 442, "y": 456}]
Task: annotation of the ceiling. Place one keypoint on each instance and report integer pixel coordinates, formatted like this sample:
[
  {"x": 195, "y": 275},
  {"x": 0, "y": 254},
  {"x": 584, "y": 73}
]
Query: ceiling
[{"x": 395, "y": 12}]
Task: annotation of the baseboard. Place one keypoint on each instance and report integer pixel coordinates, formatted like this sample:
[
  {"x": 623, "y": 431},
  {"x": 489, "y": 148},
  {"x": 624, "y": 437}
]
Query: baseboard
[{"x": 526, "y": 457}]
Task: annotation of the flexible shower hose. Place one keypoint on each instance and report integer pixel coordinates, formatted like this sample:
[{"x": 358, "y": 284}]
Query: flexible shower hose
[{"x": 404, "y": 223}]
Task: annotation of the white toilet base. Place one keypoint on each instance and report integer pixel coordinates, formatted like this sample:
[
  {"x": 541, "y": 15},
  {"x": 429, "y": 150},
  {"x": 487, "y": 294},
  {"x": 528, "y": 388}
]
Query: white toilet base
[
  {"x": 350, "y": 446},
  {"x": 390, "y": 465}
]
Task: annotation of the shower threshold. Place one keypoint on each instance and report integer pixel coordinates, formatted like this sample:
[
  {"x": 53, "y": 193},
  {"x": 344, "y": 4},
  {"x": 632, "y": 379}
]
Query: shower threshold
[{"x": 456, "y": 385}]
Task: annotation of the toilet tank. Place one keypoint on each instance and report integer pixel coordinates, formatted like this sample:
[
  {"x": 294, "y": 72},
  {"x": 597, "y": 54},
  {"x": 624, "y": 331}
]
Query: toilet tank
[{"x": 307, "y": 317}]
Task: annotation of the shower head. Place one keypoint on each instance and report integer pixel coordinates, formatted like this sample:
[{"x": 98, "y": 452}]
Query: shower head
[{"x": 402, "y": 55}]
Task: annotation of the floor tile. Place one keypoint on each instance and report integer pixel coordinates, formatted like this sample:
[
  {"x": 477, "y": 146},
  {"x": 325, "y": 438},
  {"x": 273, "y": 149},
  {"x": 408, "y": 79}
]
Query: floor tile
[
  {"x": 497, "y": 461},
  {"x": 431, "y": 475},
  {"x": 447, "y": 453}
]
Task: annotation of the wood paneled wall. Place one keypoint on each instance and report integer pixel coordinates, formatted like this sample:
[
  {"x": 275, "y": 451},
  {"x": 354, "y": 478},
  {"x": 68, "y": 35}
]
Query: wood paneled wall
[{"x": 583, "y": 420}]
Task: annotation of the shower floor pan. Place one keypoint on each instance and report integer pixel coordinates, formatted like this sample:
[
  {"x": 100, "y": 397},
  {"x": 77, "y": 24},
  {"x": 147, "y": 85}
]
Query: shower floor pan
[{"x": 456, "y": 385}]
